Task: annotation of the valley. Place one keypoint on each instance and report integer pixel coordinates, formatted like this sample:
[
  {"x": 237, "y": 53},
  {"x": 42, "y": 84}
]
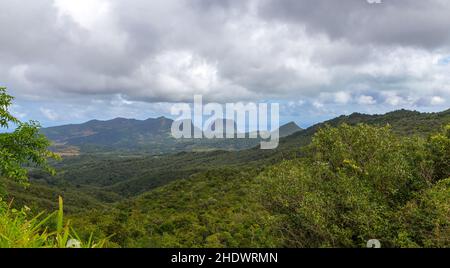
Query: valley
[{"x": 187, "y": 198}]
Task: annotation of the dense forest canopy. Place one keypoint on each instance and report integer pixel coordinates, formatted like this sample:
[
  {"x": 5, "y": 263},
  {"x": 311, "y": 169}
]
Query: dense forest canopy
[{"x": 362, "y": 182}]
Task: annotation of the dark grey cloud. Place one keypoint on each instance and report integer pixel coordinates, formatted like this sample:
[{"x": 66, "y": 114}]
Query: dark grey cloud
[{"x": 391, "y": 22}]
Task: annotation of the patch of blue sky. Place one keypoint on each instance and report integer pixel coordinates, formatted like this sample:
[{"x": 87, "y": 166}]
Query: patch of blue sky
[{"x": 444, "y": 61}]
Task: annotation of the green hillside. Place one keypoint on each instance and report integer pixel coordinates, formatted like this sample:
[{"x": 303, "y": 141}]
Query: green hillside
[
  {"x": 110, "y": 177},
  {"x": 227, "y": 198},
  {"x": 131, "y": 136},
  {"x": 354, "y": 183},
  {"x": 217, "y": 208}
]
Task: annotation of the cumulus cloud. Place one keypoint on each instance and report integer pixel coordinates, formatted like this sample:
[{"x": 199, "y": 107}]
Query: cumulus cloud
[
  {"x": 51, "y": 115},
  {"x": 436, "y": 100},
  {"x": 366, "y": 100},
  {"x": 126, "y": 54}
]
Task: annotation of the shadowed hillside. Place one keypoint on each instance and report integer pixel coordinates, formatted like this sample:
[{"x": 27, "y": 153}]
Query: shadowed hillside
[{"x": 151, "y": 136}]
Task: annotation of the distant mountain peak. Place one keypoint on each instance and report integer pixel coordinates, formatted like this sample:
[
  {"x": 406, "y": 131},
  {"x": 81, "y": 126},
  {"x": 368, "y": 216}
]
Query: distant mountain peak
[
  {"x": 291, "y": 124},
  {"x": 154, "y": 134},
  {"x": 121, "y": 119},
  {"x": 160, "y": 118},
  {"x": 289, "y": 129},
  {"x": 163, "y": 118}
]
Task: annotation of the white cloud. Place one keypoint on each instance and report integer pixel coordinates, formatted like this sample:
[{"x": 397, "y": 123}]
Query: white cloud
[
  {"x": 122, "y": 53},
  {"x": 317, "y": 104},
  {"x": 49, "y": 114},
  {"x": 366, "y": 100},
  {"x": 393, "y": 99},
  {"x": 342, "y": 97},
  {"x": 436, "y": 100},
  {"x": 87, "y": 13}
]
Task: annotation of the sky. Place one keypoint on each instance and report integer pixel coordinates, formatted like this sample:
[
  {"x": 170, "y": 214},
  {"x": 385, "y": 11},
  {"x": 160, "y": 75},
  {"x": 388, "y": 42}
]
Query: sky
[{"x": 69, "y": 61}]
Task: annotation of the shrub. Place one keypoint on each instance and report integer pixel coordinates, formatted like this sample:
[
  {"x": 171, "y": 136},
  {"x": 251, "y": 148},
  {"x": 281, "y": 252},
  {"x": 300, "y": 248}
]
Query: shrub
[{"x": 20, "y": 230}]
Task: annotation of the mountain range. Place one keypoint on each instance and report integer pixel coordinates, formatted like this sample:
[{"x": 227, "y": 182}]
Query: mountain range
[
  {"x": 113, "y": 179},
  {"x": 152, "y": 136}
]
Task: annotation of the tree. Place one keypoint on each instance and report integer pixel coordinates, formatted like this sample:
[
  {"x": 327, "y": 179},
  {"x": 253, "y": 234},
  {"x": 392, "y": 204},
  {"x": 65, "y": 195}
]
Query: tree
[
  {"x": 26, "y": 147},
  {"x": 439, "y": 149},
  {"x": 425, "y": 221},
  {"x": 23, "y": 147},
  {"x": 357, "y": 183}
]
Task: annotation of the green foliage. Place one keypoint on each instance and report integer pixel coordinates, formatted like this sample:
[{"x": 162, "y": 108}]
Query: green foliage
[
  {"x": 439, "y": 147},
  {"x": 373, "y": 155},
  {"x": 20, "y": 230},
  {"x": 95, "y": 181},
  {"x": 130, "y": 136},
  {"x": 212, "y": 209},
  {"x": 323, "y": 187},
  {"x": 5, "y": 117},
  {"x": 351, "y": 185},
  {"x": 22, "y": 147},
  {"x": 425, "y": 220}
]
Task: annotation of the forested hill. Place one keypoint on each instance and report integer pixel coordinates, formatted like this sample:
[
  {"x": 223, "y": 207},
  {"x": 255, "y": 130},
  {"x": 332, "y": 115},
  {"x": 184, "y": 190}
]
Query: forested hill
[
  {"x": 354, "y": 183},
  {"x": 151, "y": 136},
  {"x": 210, "y": 198},
  {"x": 124, "y": 176},
  {"x": 403, "y": 122}
]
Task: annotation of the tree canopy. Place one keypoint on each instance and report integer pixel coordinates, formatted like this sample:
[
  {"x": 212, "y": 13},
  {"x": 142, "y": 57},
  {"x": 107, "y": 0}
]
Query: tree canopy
[
  {"x": 22, "y": 147},
  {"x": 357, "y": 183}
]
